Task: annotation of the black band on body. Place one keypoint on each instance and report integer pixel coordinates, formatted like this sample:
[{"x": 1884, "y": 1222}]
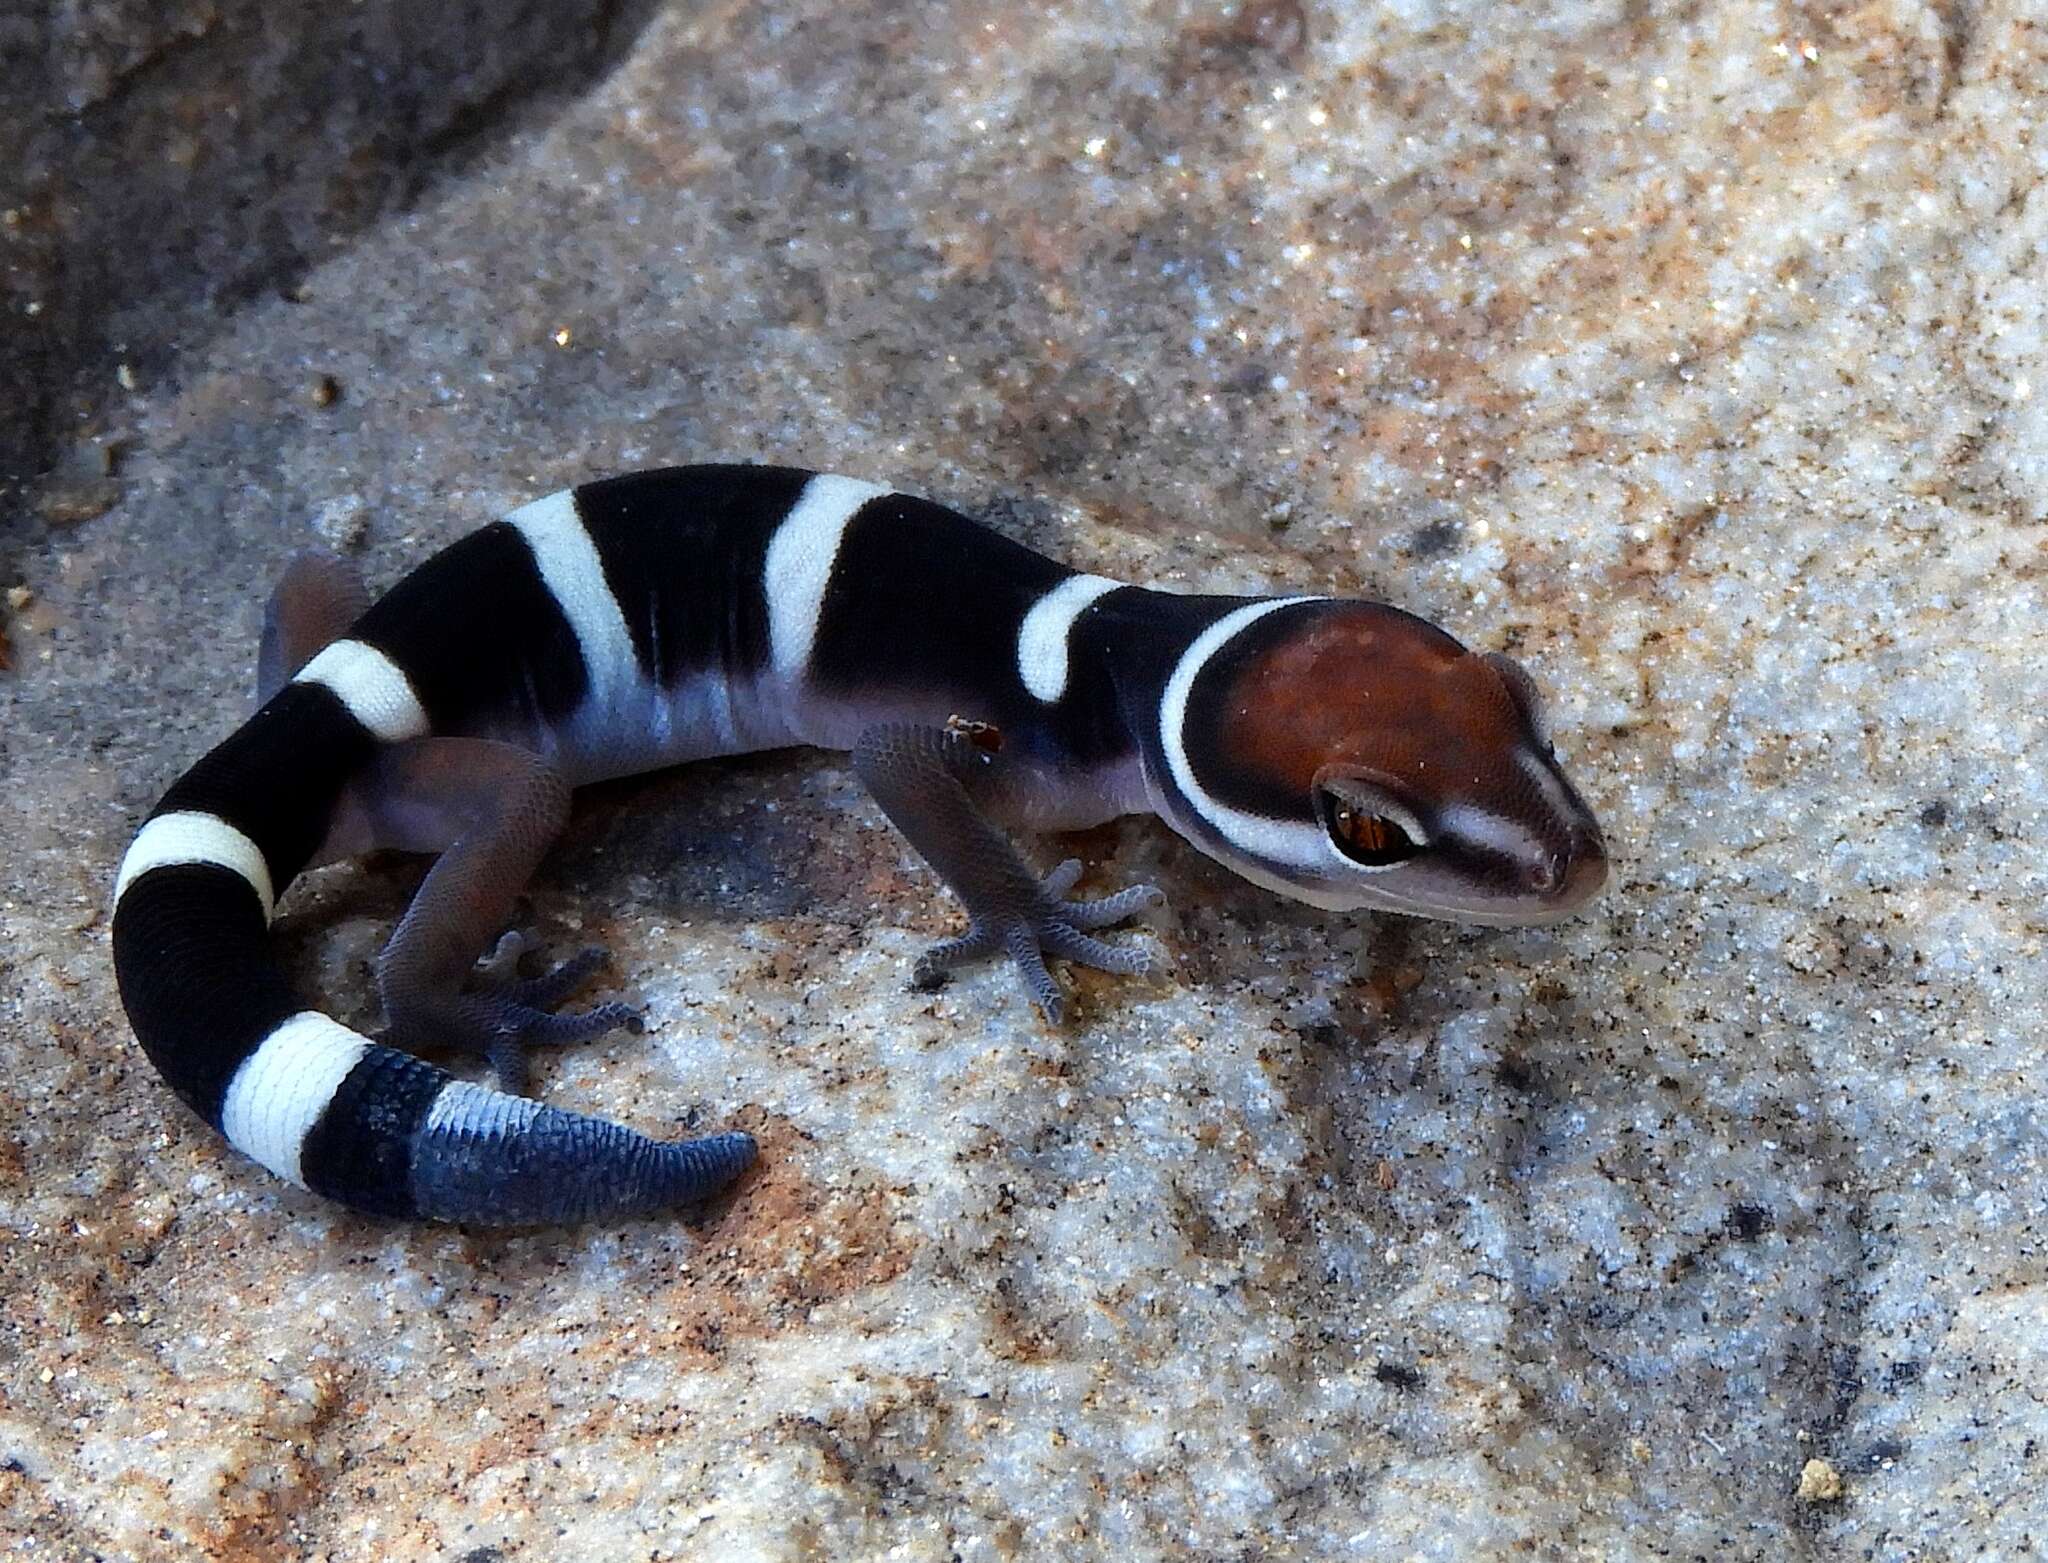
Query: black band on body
[
  {"x": 477, "y": 631},
  {"x": 684, "y": 551},
  {"x": 276, "y": 777},
  {"x": 926, "y": 604},
  {"x": 920, "y": 594},
  {"x": 1129, "y": 643},
  {"x": 192, "y": 959},
  {"x": 360, "y": 1150}
]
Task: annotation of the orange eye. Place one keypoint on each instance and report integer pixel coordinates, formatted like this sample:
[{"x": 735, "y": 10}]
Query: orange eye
[{"x": 1370, "y": 839}]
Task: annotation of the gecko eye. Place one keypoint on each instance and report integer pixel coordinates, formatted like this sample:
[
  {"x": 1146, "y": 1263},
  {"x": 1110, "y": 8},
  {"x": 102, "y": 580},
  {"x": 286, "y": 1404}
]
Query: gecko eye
[{"x": 1371, "y": 840}]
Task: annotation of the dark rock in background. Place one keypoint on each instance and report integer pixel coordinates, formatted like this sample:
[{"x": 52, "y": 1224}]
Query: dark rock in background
[{"x": 161, "y": 163}]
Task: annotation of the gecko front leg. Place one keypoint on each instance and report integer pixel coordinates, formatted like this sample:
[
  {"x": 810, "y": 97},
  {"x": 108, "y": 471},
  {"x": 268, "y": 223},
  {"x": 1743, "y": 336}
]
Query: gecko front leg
[{"x": 936, "y": 785}]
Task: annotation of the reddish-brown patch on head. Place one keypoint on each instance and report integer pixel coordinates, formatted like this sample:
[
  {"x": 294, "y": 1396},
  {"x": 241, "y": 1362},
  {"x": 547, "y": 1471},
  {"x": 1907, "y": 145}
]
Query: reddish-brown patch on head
[{"x": 1366, "y": 686}]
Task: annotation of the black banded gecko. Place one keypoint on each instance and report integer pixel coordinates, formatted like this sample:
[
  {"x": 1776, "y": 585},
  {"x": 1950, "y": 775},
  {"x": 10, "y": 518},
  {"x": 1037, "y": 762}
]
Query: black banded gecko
[{"x": 1344, "y": 753}]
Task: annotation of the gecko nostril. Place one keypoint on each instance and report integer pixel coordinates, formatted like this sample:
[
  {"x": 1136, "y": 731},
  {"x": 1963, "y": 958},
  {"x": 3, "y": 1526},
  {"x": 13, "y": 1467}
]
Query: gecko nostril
[{"x": 1546, "y": 873}]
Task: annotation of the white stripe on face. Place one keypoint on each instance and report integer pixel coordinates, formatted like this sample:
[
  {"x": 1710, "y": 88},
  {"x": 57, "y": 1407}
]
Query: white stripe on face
[
  {"x": 1042, "y": 642},
  {"x": 1546, "y": 783},
  {"x": 372, "y": 686},
  {"x": 1285, "y": 842},
  {"x": 799, "y": 565},
  {"x": 189, "y": 836},
  {"x": 1496, "y": 832},
  {"x": 282, "y": 1088},
  {"x": 574, "y": 576}
]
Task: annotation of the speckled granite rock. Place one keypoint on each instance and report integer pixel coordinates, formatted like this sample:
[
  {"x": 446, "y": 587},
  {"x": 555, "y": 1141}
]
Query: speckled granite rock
[{"x": 1696, "y": 354}]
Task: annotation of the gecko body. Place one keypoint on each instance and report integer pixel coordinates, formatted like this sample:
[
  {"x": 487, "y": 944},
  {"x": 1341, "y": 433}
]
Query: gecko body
[{"x": 1343, "y": 753}]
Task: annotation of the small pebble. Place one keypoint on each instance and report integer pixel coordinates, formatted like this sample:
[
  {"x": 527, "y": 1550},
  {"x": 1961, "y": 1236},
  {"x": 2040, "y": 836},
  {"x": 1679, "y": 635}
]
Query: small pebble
[
  {"x": 72, "y": 503},
  {"x": 1819, "y": 1482},
  {"x": 343, "y": 522}
]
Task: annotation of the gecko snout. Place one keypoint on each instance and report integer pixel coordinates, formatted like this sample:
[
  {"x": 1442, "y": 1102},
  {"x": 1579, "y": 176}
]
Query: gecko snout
[{"x": 1573, "y": 876}]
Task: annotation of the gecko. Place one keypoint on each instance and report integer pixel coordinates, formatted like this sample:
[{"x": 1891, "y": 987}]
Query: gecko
[{"x": 1340, "y": 752}]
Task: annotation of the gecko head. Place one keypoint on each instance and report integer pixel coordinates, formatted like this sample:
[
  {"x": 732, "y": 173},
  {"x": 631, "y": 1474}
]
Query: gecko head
[{"x": 1351, "y": 755}]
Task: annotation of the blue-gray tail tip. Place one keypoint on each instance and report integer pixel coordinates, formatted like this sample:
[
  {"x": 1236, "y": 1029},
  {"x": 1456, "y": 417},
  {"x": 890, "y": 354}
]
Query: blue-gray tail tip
[
  {"x": 706, "y": 1166},
  {"x": 506, "y": 1161}
]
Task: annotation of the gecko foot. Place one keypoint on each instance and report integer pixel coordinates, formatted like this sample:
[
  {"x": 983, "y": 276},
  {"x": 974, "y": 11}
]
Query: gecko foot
[
  {"x": 1048, "y": 924},
  {"x": 503, "y": 1015}
]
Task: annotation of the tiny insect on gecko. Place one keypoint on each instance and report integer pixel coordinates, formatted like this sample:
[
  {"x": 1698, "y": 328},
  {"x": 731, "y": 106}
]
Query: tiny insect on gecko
[{"x": 1343, "y": 753}]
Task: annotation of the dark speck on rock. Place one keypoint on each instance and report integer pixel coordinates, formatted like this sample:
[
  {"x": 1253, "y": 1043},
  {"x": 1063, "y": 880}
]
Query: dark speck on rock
[
  {"x": 1398, "y": 1375},
  {"x": 830, "y": 165},
  {"x": 1901, "y": 1374},
  {"x": 1435, "y": 539},
  {"x": 1324, "y": 1033},
  {"x": 1934, "y": 815},
  {"x": 1748, "y": 1222},
  {"x": 1517, "y": 1074}
]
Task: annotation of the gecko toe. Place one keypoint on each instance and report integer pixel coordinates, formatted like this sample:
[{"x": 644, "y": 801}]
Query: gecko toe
[
  {"x": 932, "y": 967},
  {"x": 1023, "y": 948},
  {"x": 1112, "y": 909},
  {"x": 500, "y": 965},
  {"x": 1072, "y": 945},
  {"x": 539, "y": 1028},
  {"x": 506, "y": 1032},
  {"x": 551, "y": 986},
  {"x": 1055, "y": 885}
]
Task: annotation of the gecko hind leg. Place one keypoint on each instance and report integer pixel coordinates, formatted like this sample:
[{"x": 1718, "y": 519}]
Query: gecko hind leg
[
  {"x": 317, "y": 598},
  {"x": 934, "y": 783},
  {"x": 449, "y": 975}
]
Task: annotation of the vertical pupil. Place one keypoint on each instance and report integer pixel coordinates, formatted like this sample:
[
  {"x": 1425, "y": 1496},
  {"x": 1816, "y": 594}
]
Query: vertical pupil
[
  {"x": 1367, "y": 832},
  {"x": 1372, "y": 839}
]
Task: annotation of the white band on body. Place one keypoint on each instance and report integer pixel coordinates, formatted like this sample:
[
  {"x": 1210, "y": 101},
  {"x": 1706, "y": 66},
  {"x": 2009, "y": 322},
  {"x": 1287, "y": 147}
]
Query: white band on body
[
  {"x": 282, "y": 1088},
  {"x": 1042, "y": 642},
  {"x": 799, "y": 565},
  {"x": 372, "y": 686},
  {"x": 571, "y": 570},
  {"x": 190, "y": 836}
]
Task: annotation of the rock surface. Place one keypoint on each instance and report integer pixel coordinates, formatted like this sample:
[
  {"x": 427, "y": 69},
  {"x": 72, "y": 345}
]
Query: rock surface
[
  {"x": 164, "y": 161},
  {"x": 1695, "y": 354}
]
